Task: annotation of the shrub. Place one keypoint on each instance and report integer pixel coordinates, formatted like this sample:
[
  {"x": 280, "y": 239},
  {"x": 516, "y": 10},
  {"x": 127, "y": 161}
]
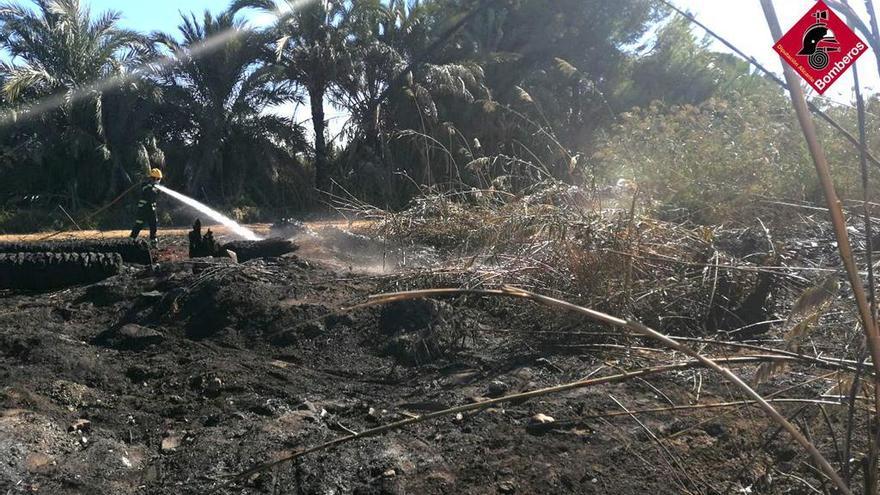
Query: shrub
[{"x": 714, "y": 160}]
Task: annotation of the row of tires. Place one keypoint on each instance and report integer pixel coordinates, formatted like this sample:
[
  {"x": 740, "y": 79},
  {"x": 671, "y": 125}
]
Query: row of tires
[
  {"x": 131, "y": 250},
  {"x": 45, "y": 271},
  {"x": 53, "y": 265}
]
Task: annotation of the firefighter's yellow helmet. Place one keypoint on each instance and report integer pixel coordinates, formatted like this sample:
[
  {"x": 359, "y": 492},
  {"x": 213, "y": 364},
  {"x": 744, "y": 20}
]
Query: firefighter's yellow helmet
[{"x": 156, "y": 174}]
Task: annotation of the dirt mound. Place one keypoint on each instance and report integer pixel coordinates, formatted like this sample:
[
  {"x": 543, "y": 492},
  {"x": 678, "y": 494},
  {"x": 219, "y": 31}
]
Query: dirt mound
[
  {"x": 421, "y": 331},
  {"x": 250, "y": 305},
  {"x": 132, "y": 337},
  {"x": 217, "y": 304}
]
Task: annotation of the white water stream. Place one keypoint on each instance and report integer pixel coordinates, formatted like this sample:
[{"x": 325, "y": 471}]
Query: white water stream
[{"x": 232, "y": 225}]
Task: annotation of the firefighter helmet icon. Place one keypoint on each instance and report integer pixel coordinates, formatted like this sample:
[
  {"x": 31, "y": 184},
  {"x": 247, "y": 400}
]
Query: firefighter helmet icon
[
  {"x": 818, "y": 41},
  {"x": 820, "y": 46}
]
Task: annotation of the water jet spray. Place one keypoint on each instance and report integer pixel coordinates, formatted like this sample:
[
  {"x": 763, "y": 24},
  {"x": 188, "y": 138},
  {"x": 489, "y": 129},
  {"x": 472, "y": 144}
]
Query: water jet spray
[{"x": 232, "y": 225}]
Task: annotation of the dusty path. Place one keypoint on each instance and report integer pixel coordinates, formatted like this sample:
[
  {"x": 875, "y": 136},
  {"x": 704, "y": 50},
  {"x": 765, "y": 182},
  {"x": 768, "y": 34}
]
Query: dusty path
[
  {"x": 338, "y": 244},
  {"x": 260, "y": 228}
]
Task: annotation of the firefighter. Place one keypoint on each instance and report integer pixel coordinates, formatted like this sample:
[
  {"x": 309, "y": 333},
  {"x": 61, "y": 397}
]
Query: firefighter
[{"x": 147, "y": 207}]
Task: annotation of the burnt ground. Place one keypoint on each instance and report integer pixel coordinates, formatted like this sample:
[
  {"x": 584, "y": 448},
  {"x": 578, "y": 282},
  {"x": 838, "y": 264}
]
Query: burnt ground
[{"x": 167, "y": 379}]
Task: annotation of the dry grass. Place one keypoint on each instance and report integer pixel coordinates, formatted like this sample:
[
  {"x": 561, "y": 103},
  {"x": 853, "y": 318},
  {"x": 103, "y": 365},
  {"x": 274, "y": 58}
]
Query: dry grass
[{"x": 559, "y": 240}]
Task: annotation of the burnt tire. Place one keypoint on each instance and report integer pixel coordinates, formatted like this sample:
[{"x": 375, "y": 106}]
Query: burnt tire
[
  {"x": 131, "y": 250},
  {"x": 267, "y": 248},
  {"x": 43, "y": 271}
]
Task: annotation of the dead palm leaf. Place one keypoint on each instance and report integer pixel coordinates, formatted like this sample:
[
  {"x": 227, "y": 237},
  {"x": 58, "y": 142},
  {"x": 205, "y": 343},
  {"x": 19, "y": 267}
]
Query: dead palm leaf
[{"x": 805, "y": 313}]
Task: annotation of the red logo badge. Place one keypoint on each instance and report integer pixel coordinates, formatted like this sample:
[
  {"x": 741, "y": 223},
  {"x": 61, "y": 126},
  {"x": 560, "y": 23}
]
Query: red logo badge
[{"x": 821, "y": 47}]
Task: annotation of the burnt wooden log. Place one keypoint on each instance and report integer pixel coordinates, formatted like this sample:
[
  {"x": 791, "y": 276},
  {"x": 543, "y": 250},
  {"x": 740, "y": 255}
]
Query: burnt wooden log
[
  {"x": 266, "y": 248},
  {"x": 204, "y": 245},
  {"x": 131, "y": 250},
  {"x": 45, "y": 271}
]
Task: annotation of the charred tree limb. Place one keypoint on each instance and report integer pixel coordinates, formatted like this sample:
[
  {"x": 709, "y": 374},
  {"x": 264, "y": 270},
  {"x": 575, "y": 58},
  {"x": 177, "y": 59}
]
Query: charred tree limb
[
  {"x": 266, "y": 248},
  {"x": 204, "y": 245}
]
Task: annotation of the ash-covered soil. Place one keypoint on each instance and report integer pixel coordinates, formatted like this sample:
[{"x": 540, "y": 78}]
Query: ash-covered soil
[{"x": 168, "y": 379}]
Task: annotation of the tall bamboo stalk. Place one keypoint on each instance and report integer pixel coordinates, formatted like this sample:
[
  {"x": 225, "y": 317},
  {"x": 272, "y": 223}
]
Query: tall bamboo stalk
[
  {"x": 823, "y": 171},
  {"x": 870, "y": 479},
  {"x": 834, "y": 207}
]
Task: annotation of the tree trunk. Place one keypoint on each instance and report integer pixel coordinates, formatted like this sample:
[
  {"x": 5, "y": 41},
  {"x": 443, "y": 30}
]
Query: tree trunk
[
  {"x": 119, "y": 178},
  {"x": 373, "y": 130},
  {"x": 322, "y": 173},
  {"x": 203, "y": 178}
]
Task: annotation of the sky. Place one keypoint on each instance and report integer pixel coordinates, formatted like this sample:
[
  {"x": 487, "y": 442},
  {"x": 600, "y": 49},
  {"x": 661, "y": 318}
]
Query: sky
[
  {"x": 740, "y": 21},
  {"x": 165, "y": 15},
  {"x": 155, "y": 15}
]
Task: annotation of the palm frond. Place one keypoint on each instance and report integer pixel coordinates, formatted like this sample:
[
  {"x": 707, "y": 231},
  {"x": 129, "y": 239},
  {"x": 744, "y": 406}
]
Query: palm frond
[
  {"x": 523, "y": 95},
  {"x": 238, "y": 5},
  {"x": 280, "y": 45},
  {"x": 25, "y": 78}
]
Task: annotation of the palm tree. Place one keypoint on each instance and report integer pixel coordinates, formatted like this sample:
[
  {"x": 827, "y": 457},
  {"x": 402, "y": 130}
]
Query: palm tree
[
  {"x": 218, "y": 90},
  {"x": 63, "y": 61},
  {"x": 131, "y": 138},
  {"x": 400, "y": 79},
  {"x": 310, "y": 49}
]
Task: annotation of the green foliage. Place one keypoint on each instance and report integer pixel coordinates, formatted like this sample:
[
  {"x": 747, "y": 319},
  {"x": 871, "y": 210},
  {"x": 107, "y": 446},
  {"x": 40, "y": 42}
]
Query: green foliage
[
  {"x": 714, "y": 161},
  {"x": 217, "y": 95},
  {"x": 59, "y": 51},
  {"x": 310, "y": 52},
  {"x": 525, "y": 91},
  {"x": 677, "y": 69}
]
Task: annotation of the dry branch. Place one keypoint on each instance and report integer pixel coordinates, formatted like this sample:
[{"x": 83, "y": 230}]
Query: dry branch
[
  {"x": 713, "y": 405},
  {"x": 817, "y": 456},
  {"x": 833, "y": 203}
]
